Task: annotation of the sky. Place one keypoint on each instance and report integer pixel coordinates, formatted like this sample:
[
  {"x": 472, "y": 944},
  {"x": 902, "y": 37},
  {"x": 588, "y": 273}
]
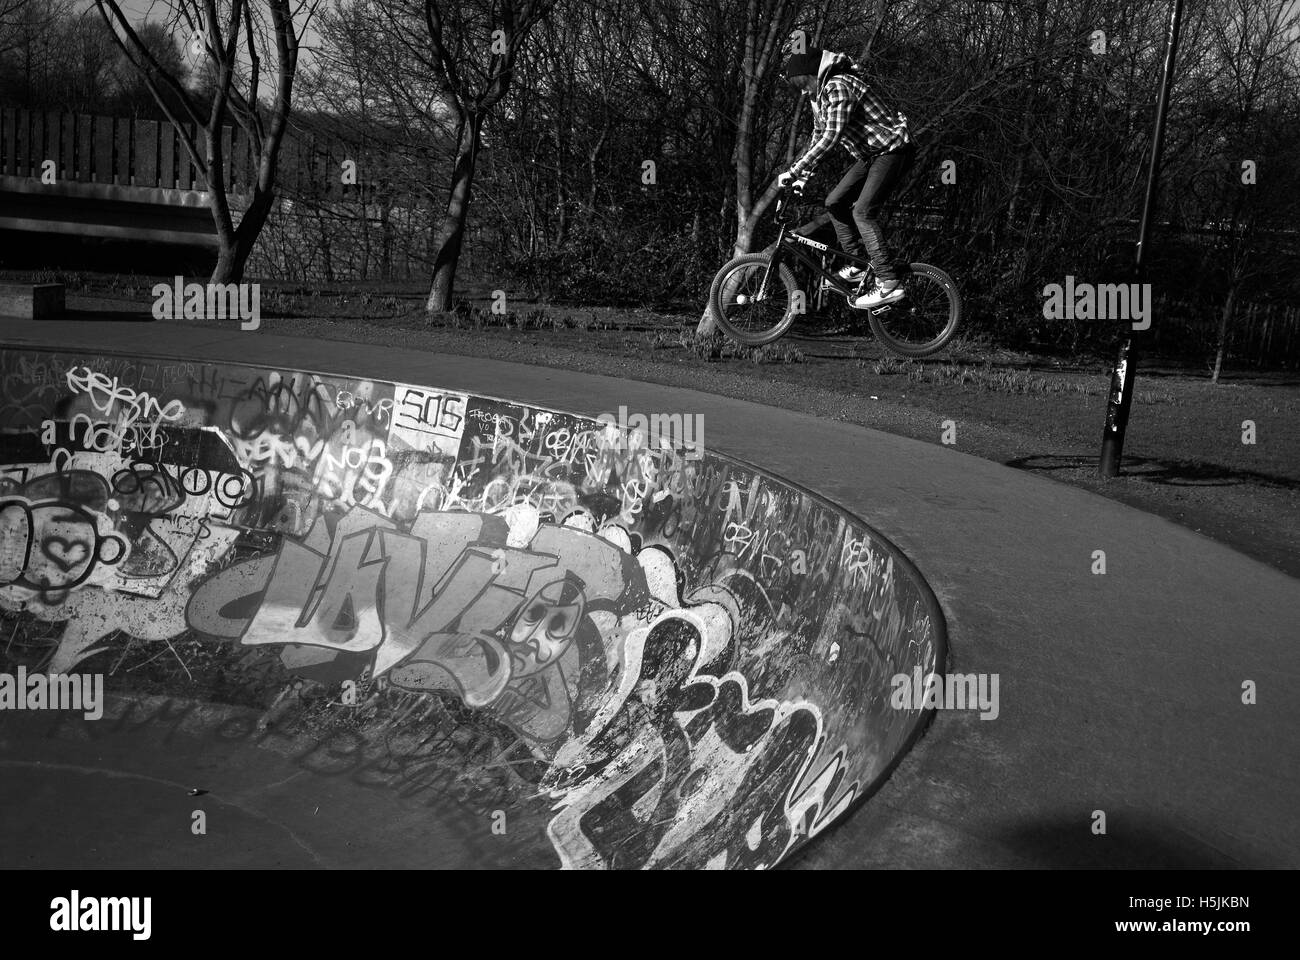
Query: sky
[{"x": 139, "y": 10}]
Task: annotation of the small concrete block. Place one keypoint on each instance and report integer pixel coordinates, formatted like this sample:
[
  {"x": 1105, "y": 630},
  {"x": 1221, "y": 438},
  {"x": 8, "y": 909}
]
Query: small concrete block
[{"x": 31, "y": 301}]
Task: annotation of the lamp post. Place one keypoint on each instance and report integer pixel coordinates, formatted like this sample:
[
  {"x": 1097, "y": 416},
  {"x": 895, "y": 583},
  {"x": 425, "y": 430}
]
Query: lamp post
[{"x": 1120, "y": 400}]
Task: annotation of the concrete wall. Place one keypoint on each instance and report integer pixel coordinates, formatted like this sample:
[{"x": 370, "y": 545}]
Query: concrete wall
[{"x": 693, "y": 656}]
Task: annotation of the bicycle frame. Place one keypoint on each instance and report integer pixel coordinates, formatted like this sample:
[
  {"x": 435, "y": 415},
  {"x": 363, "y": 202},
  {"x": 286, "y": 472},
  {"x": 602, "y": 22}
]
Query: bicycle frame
[{"x": 793, "y": 243}]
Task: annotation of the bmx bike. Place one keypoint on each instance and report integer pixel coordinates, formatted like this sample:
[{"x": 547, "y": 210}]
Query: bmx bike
[{"x": 755, "y": 297}]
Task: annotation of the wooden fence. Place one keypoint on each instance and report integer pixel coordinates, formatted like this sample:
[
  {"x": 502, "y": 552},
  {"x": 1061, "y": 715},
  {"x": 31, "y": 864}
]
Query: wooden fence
[
  {"x": 130, "y": 152},
  {"x": 122, "y": 151}
]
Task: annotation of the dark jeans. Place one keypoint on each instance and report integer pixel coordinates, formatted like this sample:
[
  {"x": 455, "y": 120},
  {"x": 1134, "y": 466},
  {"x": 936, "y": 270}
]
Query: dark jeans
[{"x": 856, "y": 202}]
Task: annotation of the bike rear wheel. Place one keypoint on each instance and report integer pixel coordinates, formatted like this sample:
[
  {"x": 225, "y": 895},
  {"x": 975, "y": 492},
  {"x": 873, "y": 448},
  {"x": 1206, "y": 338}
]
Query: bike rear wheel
[
  {"x": 736, "y": 307},
  {"x": 925, "y": 319}
]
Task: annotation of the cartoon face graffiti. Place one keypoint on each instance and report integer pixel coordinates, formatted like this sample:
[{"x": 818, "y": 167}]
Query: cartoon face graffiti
[
  {"x": 52, "y": 547},
  {"x": 545, "y": 627}
]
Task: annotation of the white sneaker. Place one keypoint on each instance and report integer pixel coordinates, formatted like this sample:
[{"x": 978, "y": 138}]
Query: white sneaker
[
  {"x": 881, "y": 292},
  {"x": 850, "y": 273}
]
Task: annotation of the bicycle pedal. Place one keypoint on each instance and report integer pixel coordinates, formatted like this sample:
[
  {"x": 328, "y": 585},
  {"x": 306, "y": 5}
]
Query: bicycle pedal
[{"x": 883, "y": 308}]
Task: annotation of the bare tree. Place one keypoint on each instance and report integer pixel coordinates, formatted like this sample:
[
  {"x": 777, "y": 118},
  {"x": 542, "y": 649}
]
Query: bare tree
[
  {"x": 1246, "y": 182},
  {"x": 474, "y": 46},
  {"x": 233, "y": 37},
  {"x": 766, "y": 26},
  {"x": 12, "y": 18},
  {"x": 30, "y": 35}
]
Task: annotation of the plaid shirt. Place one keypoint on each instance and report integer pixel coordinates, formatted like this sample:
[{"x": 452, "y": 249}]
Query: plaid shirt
[{"x": 845, "y": 111}]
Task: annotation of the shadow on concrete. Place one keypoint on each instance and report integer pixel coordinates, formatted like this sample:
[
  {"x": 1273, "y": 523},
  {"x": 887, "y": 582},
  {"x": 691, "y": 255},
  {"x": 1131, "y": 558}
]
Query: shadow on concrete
[
  {"x": 1185, "y": 473},
  {"x": 1132, "y": 841}
]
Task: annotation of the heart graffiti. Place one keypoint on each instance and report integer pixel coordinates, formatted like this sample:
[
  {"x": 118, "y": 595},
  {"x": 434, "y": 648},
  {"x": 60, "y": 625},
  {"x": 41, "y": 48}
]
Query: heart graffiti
[{"x": 66, "y": 553}]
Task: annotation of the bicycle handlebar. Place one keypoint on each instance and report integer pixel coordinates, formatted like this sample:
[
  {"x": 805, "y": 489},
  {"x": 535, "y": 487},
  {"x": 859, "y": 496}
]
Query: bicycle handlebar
[{"x": 792, "y": 190}]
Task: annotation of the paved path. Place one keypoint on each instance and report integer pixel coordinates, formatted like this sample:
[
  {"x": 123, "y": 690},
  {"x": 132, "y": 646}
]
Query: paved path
[{"x": 1119, "y": 693}]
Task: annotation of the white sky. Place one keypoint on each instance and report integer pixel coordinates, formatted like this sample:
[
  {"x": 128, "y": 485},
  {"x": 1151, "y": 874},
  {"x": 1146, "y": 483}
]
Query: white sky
[{"x": 139, "y": 10}]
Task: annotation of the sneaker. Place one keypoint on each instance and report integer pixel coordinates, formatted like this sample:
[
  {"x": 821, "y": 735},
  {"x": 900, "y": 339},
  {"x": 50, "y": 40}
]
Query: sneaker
[
  {"x": 851, "y": 274},
  {"x": 882, "y": 291}
]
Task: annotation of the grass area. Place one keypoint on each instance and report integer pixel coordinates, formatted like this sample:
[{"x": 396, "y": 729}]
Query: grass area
[{"x": 1185, "y": 457}]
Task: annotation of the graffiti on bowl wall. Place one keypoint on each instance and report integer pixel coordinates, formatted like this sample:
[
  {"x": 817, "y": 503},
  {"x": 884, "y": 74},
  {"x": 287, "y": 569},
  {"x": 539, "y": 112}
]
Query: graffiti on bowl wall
[{"x": 695, "y": 654}]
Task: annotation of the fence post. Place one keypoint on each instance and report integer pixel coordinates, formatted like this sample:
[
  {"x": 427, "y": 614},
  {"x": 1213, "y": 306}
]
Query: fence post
[
  {"x": 85, "y": 147},
  {"x": 22, "y": 144},
  {"x": 102, "y": 151},
  {"x": 167, "y": 155},
  {"x": 184, "y": 163},
  {"x": 146, "y": 154},
  {"x": 38, "y": 152},
  {"x": 122, "y": 143},
  {"x": 67, "y": 146},
  {"x": 8, "y": 141}
]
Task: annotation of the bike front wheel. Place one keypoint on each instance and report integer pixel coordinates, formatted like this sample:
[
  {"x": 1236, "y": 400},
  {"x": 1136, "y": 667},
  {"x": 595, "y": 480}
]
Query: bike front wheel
[
  {"x": 925, "y": 319},
  {"x": 739, "y": 310}
]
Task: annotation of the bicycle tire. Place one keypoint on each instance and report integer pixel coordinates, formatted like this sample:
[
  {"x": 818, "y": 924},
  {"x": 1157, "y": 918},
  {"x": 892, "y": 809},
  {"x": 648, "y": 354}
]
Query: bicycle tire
[
  {"x": 910, "y": 350},
  {"x": 716, "y": 305}
]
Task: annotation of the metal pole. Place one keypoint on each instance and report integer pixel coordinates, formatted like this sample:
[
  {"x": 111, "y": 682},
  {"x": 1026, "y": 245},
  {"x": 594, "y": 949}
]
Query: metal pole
[{"x": 1120, "y": 400}]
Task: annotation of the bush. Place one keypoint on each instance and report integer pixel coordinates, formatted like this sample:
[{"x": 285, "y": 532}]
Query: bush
[{"x": 606, "y": 262}]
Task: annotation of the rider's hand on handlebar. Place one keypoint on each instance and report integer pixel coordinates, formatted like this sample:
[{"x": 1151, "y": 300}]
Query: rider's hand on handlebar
[{"x": 787, "y": 181}]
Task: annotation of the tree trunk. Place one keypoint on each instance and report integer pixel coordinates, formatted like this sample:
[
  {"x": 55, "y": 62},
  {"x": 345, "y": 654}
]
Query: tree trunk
[
  {"x": 232, "y": 257},
  {"x": 234, "y": 244},
  {"x": 230, "y": 266},
  {"x": 450, "y": 235},
  {"x": 706, "y": 327},
  {"x": 237, "y": 245},
  {"x": 1224, "y": 319},
  {"x": 226, "y": 270},
  {"x": 763, "y": 27},
  {"x": 744, "y": 236}
]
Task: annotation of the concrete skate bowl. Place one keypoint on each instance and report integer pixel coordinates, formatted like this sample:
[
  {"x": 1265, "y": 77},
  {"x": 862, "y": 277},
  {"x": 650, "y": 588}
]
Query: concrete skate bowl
[{"x": 344, "y": 622}]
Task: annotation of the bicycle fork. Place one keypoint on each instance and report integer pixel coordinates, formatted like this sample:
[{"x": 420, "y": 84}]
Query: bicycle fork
[{"x": 773, "y": 264}]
